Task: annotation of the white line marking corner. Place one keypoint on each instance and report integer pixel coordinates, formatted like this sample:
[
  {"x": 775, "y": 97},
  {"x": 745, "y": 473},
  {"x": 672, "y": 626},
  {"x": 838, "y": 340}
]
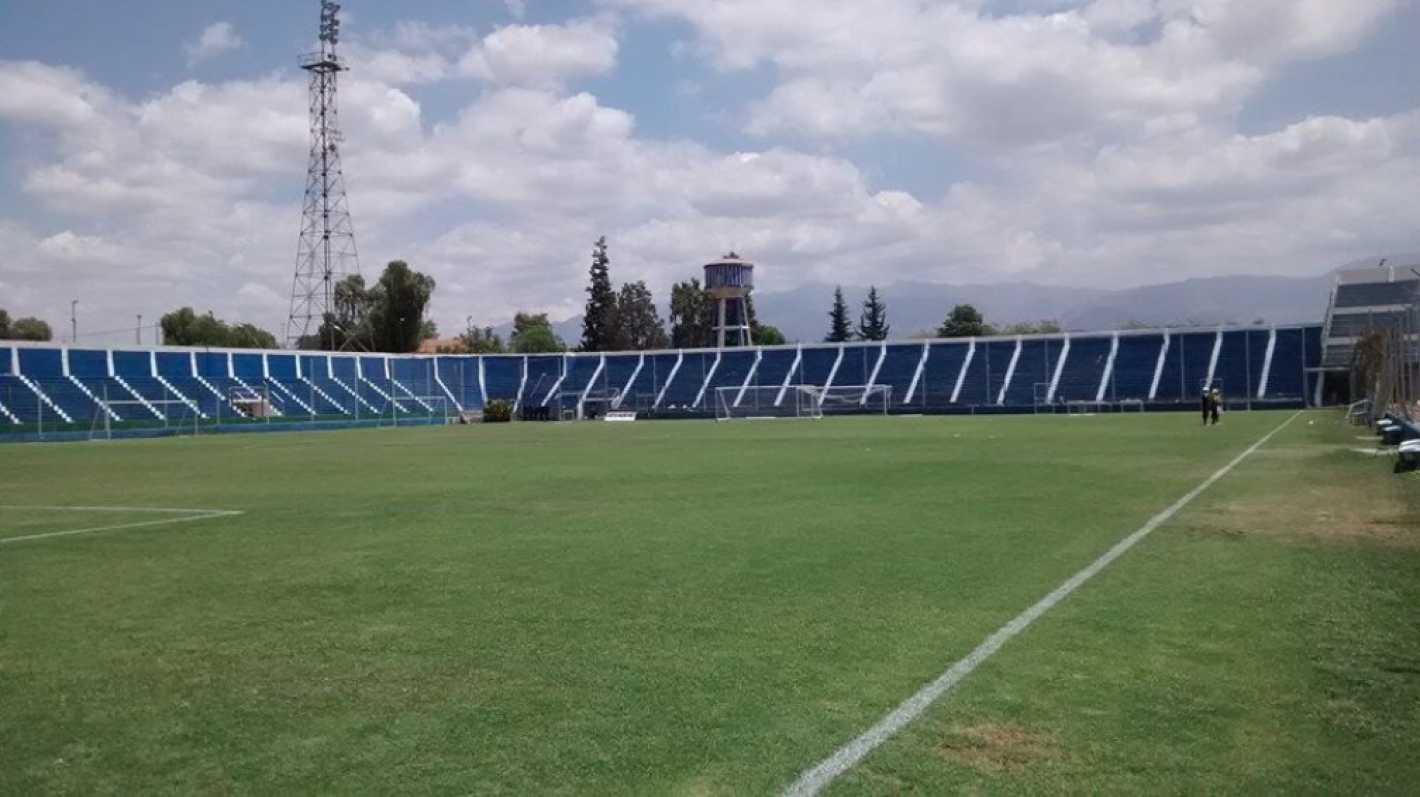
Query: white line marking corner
[{"x": 819, "y": 776}]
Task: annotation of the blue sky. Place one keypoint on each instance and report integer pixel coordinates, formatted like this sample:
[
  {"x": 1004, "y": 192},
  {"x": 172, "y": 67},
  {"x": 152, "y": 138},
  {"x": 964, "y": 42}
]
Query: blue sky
[{"x": 152, "y": 154}]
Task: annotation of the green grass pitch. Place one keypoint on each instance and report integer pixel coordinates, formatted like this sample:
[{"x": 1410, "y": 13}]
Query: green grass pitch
[{"x": 701, "y": 608}]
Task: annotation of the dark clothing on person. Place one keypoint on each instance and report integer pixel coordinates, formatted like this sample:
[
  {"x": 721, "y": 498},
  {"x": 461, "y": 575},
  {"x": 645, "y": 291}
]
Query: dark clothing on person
[{"x": 1206, "y": 404}]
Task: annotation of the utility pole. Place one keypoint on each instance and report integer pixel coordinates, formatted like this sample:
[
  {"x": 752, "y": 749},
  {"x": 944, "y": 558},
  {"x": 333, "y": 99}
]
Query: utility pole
[
  {"x": 74, "y": 321},
  {"x": 139, "y": 330}
]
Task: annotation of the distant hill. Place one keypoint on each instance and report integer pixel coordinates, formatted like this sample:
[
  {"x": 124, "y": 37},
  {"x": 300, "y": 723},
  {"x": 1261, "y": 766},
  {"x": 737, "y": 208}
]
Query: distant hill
[{"x": 919, "y": 307}]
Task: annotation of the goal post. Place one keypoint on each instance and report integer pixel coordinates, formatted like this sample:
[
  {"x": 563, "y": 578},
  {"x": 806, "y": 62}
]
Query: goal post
[
  {"x": 171, "y": 414},
  {"x": 850, "y": 399},
  {"x": 801, "y": 401},
  {"x": 765, "y": 401}
]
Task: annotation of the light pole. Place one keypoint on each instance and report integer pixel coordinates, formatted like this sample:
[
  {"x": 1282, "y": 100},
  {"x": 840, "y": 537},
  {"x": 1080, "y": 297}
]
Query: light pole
[
  {"x": 74, "y": 321},
  {"x": 139, "y": 329}
]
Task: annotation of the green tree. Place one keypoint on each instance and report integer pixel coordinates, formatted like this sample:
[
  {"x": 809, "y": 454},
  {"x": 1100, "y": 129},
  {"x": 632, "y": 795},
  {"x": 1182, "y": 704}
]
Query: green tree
[
  {"x": 396, "y": 308},
  {"x": 30, "y": 329},
  {"x": 638, "y": 323},
  {"x": 965, "y": 321},
  {"x": 767, "y": 335},
  {"x": 532, "y": 334},
  {"x": 476, "y": 340},
  {"x": 184, "y": 327},
  {"x": 250, "y": 336},
  {"x": 4, "y": 325},
  {"x": 691, "y": 314},
  {"x": 872, "y": 324},
  {"x": 840, "y": 329},
  {"x": 347, "y": 326},
  {"x": 599, "y": 330},
  {"x": 1033, "y": 328}
]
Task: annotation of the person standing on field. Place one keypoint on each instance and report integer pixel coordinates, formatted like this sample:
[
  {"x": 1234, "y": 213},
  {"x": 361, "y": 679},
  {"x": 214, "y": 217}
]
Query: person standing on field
[
  {"x": 1215, "y": 399},
  {"x": 1205, "y": 403}
]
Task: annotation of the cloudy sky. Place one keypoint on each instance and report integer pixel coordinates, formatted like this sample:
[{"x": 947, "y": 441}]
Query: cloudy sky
[{"x": 152, "y": 154}]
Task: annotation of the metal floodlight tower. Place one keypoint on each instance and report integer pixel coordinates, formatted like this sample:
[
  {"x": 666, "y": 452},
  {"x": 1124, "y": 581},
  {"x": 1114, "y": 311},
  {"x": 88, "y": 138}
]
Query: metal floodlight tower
[
  {"x": 729, "y": 281},
  {"x": 326, "y": 251}
]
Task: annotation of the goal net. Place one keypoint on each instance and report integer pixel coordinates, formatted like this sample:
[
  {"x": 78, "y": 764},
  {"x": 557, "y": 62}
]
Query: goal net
[
  {"x": 785, "y": 401},
  {"x": 800, "y": 401},
  {"x": 851, "y": 399},
  {"x": 174, "y": 414}
]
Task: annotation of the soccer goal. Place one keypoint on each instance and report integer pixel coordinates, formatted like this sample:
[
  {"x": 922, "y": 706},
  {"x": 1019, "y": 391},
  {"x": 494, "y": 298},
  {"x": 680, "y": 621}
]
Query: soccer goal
[
  {"x": 851, "y": 399},
  {"x": 784, "y": 401},
  {"x": 175, "y": 414},
  {"x": 800, "y": 401}
]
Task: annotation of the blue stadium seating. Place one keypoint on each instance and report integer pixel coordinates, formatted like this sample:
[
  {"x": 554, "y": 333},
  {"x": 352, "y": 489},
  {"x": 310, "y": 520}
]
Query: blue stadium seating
[
  {"x": 1084, "y": 369},
  {"x": 939, "y": 376},
  {"x": 1134, "y": 365},
  {"x": 544, "y": 372},
  {"x": 619, "y": 369},
  {"x": 1232, "y": 376},
  {"x": 502, "y": 377},
  {"x": 734, "y": 368},
  {"x": 1035, "y": 367},
  {"x": 774, "y": 368},
  {"x": 1196, "y": 350},
  {"x": 1373, "y": 294},
  {"x": 899, "y": 365},
  {"x": 1286, "y": 378},
  {"x": 682, "y": 391},
  {"x": 40, "y": 381}
]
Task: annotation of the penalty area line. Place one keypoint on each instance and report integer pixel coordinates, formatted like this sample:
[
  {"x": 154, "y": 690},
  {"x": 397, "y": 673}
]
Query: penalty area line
[
  {"x": 207, "y": 514},
  {"x": 819, "y": 776}
]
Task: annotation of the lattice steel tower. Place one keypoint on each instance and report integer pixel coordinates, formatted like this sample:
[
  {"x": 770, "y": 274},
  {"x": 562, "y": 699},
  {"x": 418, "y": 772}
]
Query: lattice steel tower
[{"x": 326, "y": 252}]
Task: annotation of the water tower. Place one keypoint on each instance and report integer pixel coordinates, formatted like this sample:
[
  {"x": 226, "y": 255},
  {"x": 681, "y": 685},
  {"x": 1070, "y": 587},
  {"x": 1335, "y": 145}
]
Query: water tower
[{"x": 729, "y": 280}]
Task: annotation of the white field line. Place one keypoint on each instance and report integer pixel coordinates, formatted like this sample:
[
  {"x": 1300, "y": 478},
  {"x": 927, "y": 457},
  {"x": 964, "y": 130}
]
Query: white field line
[
  {"x": 818, "y": 777},
  {"x": 191, "y": 516},
  {"x": 161, "y": 509}
]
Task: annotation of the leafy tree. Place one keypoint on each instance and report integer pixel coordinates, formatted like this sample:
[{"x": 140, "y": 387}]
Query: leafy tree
[
  {"x": 30, "y": 329},
  {"x": 428, "y": 330},
  {"x": 638, "y": 324},
  {"x": 599, "y": 320},
  {"x": 872, "y": 324},
  {"x": 692, "y": 311},
  {"x": 396, "y": 308},
  {"x": 965, "y": 321},
  {"x": 250, "y": 336},
  {"x": 4, "y": 325},
  {"x": 767, "y": 335},
  {"x": 840, "y": 329},
  {"x": 347, "y": 326},
  {"x": 1032, "y": 328},
  {"x": 183, "y": 327},
  {"x": 532, "y": 334},
  {"x": 476, "y": 340}
]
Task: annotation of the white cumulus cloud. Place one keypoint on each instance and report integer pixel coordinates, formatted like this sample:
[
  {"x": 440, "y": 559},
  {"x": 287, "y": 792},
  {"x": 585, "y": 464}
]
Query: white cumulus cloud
[{"x": 216, "y": 39}]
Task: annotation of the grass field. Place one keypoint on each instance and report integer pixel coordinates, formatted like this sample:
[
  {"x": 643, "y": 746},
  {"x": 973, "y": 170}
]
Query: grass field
[{"x": 700, "y": 608}]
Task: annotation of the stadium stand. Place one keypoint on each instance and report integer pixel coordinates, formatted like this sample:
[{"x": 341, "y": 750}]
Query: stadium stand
[{"x": 1159, "y": 369}]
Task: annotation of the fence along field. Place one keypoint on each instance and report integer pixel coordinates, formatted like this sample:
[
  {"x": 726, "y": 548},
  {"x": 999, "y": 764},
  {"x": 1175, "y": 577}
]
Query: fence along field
[{"x": 697, "y": 607}]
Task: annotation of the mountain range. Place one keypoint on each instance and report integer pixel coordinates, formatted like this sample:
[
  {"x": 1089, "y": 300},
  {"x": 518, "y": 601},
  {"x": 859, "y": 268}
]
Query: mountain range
[{"x": 917, "y": 308}]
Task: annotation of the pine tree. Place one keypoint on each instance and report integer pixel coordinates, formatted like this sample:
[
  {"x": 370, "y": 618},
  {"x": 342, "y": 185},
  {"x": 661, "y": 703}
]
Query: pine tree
[
  {"x": 638, "y": 324},
  {"x": 872, "y": 324},
  {"x": 599, "y": 320},
  {"x": 840, "y": 329}
]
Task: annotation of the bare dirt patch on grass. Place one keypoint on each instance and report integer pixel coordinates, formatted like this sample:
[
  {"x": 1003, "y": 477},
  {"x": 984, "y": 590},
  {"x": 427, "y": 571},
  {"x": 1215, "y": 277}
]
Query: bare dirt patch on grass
[
  {"x": 1321, "y": 495},
  {"x": 993, "y": 748}
]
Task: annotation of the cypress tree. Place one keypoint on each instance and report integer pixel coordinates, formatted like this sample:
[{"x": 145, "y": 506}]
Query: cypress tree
[
  {"x": 599, "y": 320},
  {"x": 840, "y": 328},
  {"x": 872, "y": 324}
]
